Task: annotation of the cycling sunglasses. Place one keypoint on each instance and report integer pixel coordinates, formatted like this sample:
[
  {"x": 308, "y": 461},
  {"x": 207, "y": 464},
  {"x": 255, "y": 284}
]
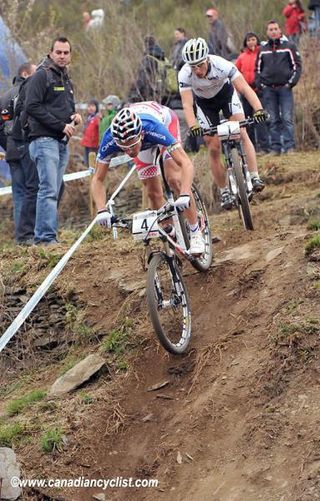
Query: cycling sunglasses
[{"x": 127, "y": 147}]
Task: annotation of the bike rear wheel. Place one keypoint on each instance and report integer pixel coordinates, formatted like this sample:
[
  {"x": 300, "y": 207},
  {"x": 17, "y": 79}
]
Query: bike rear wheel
[
  {"x": 168, "y": 304},
  {"x": 244, "y": 205},
  {"x": 203, "y": 262}
]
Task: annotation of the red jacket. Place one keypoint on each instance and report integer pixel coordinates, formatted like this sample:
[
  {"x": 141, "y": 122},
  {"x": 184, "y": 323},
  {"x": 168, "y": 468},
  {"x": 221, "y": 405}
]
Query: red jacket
[
  {"x": 91, "y": 132},
  {"x": 246, "y": 64},
  {"x": 294, "y": 15}
]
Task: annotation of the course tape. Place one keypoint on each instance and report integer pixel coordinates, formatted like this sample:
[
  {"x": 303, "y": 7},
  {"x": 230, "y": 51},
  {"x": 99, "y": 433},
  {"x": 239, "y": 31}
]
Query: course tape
[
  {"x": 122, "y": 159},
  {"x": 40, "y": 292}
]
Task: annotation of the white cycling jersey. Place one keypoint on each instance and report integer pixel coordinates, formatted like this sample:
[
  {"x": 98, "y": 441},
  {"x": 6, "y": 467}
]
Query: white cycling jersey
[{"x": 220, "y": 71}]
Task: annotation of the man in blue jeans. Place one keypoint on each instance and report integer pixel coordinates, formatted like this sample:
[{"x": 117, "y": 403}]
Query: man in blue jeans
[
  {"x": 23, "y": 171},
  {"x": 278, "y": 69},
  {"x": 51, "y": 121}
]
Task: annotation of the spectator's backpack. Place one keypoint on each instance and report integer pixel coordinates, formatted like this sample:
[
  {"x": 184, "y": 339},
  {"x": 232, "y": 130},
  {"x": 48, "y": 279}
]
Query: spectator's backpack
[
  {"x": 166, "y": 76},
  {"x": 156, "y": 79}
]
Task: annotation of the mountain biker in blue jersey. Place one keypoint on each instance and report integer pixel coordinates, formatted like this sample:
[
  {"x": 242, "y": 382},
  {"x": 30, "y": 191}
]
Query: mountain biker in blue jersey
[{"x": 144, "y": 131}]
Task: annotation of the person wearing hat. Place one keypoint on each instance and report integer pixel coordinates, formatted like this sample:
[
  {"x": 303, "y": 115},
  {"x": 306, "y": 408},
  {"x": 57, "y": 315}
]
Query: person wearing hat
[
  {"x": 90, "y": 139},
  {"x": 112, "y": 104}
]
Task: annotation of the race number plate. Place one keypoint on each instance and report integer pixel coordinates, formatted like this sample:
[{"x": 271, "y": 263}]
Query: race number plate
[{"x": 144, "y": 224}]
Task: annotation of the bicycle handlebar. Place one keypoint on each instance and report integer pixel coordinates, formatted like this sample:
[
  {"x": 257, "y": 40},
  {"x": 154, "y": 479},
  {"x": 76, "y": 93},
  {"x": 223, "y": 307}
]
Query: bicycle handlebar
[
  {"x": 214, "y": 130},
  {"x": 165, "y": 211}
]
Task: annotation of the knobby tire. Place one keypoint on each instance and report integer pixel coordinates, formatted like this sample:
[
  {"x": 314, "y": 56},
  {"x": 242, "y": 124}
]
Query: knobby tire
[
  {"x": 244, "y": 205},
  {"x": 169, "y": 310}
]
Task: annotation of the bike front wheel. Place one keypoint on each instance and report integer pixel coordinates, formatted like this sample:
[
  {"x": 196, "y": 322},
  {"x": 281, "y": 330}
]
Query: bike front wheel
[
  {"x": 203, "y": 262},
  {"x": 244, "y": 205},
  {"x": 168, "y": 304}
]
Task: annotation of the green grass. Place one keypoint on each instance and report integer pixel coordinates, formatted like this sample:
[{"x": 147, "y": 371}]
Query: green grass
[
  {"x": 18, "y": 267},
  {"x": 122, "y": 365},
  {"x": 96, "y": 234},
  {"x": 51, "y": 440},
  {"x": 312, "y": 244},
  {"x": 115, "y": 342},
  {"x": 20, "y": 404},
  {"x": 75, "y": 323},
  {"x": 311, "y": 327},
  {"x": 314, "y": 225},
  {"x": 10, "y": 434},
  {"x": 86, "y": 398}
]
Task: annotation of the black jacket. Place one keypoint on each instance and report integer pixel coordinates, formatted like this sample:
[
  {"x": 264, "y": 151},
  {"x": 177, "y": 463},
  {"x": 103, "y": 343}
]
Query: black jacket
[
  {"x": 313, "y": 4},
  {"x": 12, "y": 153},
  {"x": 278, "y": 63},
  {"x": 49, "y": 101}
]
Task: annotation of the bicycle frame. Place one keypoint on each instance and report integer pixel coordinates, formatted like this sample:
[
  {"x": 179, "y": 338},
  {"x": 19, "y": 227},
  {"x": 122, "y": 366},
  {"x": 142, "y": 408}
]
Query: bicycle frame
[
  {"x": 229, "y": 134},
  {"x": 227, "y": 146}
]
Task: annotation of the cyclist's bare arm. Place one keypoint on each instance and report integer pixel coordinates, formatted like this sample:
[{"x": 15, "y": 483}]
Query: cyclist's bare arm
[
  {"x": 187, "y": 103},
  {"x": 97, "y": 186},
  {"x": 244, "y": 88},
  {"x": 187, "y": 170}
]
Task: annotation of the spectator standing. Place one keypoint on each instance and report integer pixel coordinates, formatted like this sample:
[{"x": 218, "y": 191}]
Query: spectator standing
[
  {"x": 147, "y": 85},
  {"x": 112, "y": 104},
  {"x": 295, "y": 20},
  {"x": 51, "y": 119},
  {"x": 218, "y": 36},
  {"x": 278, "y": 69},
  {"x": 315, "y": 6},
  {"x": 23, "y": 170},
  {"x": 90, "y": 139},
  {"x": 246, "y": 65},
  {"x": 176, "y": 55}
]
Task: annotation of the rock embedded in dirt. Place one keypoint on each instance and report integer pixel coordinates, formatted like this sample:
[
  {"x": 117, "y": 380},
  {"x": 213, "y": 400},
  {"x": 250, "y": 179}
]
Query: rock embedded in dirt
[
  {"x": 273, "y": 254},
  {"x": 99, "y": 497},
  {"x": 9, "y": 475},
  {"x": 76, "y": 376}
]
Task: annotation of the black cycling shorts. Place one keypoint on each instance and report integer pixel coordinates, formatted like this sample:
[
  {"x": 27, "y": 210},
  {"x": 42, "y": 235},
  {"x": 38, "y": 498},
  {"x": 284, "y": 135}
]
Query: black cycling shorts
[{"x": 227, "y": 101}]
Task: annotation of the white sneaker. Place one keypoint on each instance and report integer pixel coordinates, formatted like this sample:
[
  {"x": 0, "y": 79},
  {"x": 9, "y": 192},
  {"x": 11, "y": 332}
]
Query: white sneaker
[{"x": 197, "y": 244}]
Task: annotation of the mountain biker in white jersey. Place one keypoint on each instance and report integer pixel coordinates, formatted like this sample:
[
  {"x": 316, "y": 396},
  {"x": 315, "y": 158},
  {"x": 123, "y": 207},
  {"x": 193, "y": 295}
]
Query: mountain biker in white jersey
[
  {"x": 212, "y": 83},
  {"x": 143, "y": 131}
]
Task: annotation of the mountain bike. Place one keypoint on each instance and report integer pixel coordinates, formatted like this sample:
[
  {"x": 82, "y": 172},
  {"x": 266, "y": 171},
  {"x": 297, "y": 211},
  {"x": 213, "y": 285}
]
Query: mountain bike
[
  {"x": 167, "y": 296},
  {"x": 239, "y": 179}
]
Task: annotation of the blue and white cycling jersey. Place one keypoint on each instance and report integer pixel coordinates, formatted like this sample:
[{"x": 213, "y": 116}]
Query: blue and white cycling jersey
[{"x": 156, "y": 121}]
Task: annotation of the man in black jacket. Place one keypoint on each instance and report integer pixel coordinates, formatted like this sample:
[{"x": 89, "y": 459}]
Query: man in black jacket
[
  {"x": 22, "y": 169},
  {"x": 51, "y": 116},
  {"x": 278, "y": 69}
]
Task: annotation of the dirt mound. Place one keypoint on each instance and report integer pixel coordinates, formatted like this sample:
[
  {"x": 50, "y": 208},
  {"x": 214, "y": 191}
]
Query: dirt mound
[{"x": 235, "y": 418}]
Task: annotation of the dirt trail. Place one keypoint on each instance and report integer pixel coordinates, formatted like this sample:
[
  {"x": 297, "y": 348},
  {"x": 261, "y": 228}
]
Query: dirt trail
[{"x": 238, "y": 418}]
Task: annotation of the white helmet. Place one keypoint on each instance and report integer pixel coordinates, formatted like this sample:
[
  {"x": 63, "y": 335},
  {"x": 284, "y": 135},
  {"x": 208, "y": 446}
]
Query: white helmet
[
  {"x": 195, "y": 51},
  {"x": 125, "y": 125}
]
